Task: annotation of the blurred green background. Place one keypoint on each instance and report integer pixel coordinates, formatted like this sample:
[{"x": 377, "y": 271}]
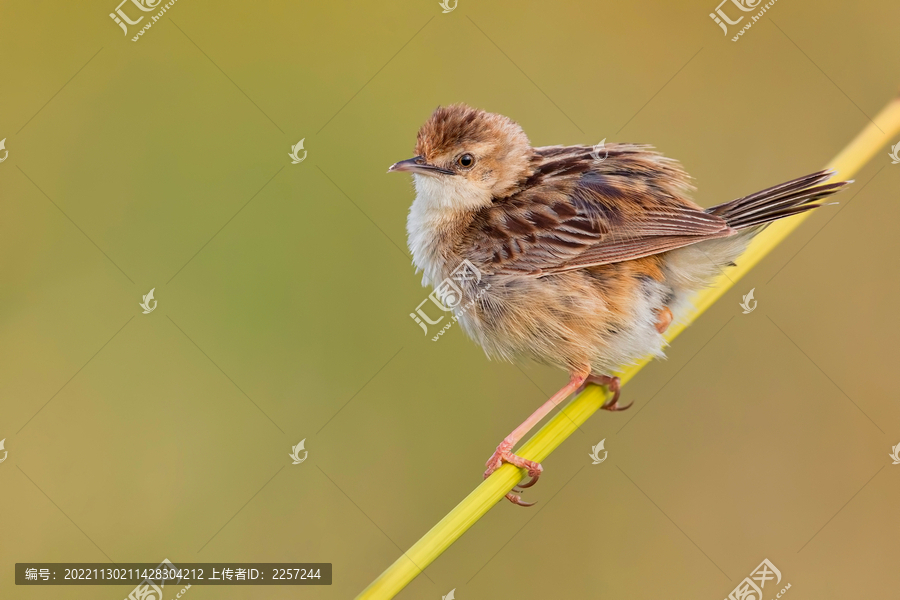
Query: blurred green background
[{"x": 164, "y": 164}]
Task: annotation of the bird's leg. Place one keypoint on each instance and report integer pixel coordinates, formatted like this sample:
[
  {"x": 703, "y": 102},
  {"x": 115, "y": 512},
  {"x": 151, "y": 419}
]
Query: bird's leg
[{"x": 504, "y": 450}]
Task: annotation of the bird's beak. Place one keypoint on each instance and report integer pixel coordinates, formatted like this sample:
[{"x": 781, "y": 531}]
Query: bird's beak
[{"x": 417, "y": 164}]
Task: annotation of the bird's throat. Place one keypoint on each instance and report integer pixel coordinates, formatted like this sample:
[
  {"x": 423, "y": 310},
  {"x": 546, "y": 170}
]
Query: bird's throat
[{"x": 443, "y": 208}]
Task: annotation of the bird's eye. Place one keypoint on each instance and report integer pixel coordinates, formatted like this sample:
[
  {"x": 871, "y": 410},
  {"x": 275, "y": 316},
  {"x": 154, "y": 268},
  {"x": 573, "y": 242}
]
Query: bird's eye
[{"x": 465, "y": 161}]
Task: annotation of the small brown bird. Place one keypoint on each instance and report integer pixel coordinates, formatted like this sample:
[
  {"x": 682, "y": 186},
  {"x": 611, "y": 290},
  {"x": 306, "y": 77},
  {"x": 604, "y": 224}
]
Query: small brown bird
[{"x": 584, "y": 260}]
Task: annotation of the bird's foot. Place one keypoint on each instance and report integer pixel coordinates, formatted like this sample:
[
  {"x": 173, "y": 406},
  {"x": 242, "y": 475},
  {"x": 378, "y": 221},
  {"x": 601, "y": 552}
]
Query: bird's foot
[
  {"x": 614, "y": 385},
  {"x": 503, "y": 454}
]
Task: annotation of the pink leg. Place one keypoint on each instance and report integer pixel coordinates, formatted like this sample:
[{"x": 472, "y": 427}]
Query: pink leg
[{"x": 504, "y": 450}]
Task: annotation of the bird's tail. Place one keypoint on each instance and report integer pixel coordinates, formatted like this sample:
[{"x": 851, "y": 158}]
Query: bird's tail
[{"x": 790, "y": 198}]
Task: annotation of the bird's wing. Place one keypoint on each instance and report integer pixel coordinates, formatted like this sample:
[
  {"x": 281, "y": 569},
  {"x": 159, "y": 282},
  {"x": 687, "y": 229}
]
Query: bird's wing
[{"x": 576, "y": 212}]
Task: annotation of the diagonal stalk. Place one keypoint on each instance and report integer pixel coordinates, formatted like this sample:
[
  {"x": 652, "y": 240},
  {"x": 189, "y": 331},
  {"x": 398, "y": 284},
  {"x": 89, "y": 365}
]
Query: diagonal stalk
[{"x": 474, "y": 506}]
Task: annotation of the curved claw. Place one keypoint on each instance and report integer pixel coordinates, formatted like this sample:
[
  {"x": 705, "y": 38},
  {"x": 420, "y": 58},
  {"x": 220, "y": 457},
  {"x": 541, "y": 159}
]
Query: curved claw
[
  {"x": 516, "y": 499},
  {"x": 614, "y": 385},
  {"x": 534, "y": 479},
  {"x": 614, "y": 406}
]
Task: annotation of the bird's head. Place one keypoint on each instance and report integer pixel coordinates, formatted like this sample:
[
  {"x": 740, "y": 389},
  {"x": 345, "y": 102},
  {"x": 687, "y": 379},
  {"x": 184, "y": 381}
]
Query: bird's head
[{"x": 467, "y": 156}]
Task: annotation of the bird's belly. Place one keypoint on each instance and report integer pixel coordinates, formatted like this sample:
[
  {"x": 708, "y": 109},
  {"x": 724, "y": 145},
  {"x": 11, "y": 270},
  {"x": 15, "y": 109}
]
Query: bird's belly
[{"x": 603, "y": 318}]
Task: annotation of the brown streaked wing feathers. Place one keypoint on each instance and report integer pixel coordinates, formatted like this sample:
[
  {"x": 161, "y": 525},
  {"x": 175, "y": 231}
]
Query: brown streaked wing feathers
[{"x": 575, "y": 212}]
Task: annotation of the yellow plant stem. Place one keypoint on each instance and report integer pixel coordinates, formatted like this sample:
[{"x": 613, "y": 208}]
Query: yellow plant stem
[{"x": 850, "y": 160}]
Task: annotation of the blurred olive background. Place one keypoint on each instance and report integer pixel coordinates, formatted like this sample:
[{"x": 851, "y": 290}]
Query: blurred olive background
[{"x": 284, "y": 292}]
